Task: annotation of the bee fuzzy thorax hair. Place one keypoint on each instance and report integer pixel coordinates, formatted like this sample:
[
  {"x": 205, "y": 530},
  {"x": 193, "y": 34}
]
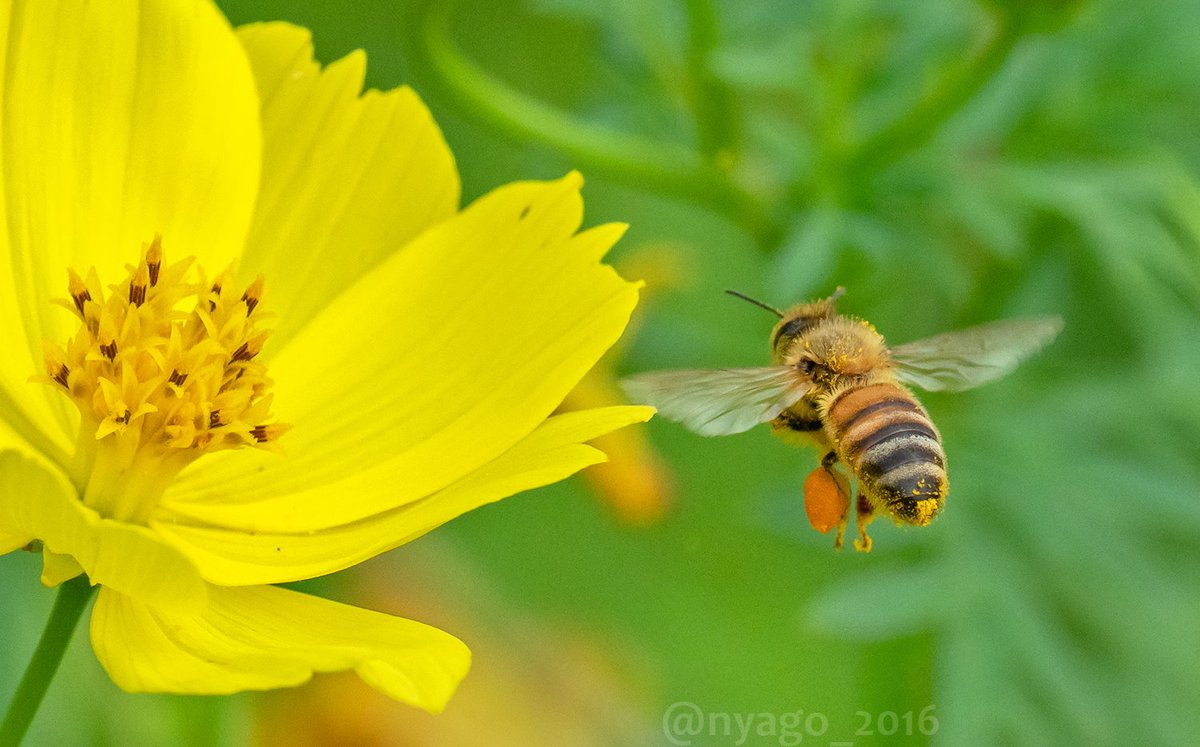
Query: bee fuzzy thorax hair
[{"x": 844, "y": 346}]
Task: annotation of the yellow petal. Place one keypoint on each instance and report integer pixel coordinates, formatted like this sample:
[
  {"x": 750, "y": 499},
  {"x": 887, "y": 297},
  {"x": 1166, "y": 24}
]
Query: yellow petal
[
  {"x": 428, "y": 368},
  {"x": 347, "y": 178},
  {"x": 58, "y": 568},
  {"x": 23, "y": 422},
  {"x": 551, "y": 453},
  {"x": 9, "y": 441},
  {"x": 37, "y": 501},
  {"x": 263, "y": 637},
  {"x": 19, "y": 434},
  {"x": 10, "y": 542},
  {"x": 118, "y": 120}
]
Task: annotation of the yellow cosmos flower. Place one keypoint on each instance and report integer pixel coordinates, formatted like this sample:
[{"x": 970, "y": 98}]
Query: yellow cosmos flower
[{"x": 280, "y": 347}]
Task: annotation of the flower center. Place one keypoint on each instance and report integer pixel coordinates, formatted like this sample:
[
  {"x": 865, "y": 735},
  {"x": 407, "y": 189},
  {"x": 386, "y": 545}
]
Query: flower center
[{"x": 163, "y": 370}]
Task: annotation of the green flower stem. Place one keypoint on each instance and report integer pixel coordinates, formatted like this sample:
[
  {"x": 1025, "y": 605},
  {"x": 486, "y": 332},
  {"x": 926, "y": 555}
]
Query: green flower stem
[
  {"x": 917, "y": 126},
  {"x": 713, "y": 104},
  {"x": 72, "y": 599},
  {"x": 652, "y": 165}
]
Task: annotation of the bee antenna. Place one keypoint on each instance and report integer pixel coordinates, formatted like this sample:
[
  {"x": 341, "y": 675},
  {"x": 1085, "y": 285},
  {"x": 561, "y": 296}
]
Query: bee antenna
[{"x": 756, "y": 302}]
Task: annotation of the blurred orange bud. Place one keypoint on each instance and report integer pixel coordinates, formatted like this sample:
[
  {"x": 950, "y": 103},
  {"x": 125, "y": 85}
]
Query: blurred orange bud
[{"x": 635, "y": 483}]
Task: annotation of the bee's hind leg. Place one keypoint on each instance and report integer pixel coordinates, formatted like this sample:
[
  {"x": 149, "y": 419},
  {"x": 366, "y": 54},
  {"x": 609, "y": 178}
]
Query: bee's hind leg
[
  {"x": 866, "y": 514},
  {"x": 828, "y": 463}
]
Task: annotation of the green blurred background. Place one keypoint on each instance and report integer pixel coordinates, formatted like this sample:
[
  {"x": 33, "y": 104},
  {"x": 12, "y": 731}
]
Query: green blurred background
[{"x": 949, "y": 163}]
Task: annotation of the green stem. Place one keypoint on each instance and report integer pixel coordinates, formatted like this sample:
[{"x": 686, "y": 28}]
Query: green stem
[
  {"x": 917, "y": 126},
  {"x": 72, "y": 599},
  {"x": 649, "y": 164},
  {"x": 713, "y": 105}
]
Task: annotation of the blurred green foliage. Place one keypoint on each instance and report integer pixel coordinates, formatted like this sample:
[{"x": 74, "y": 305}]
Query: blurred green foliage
[{"x": 949, "y": 163}]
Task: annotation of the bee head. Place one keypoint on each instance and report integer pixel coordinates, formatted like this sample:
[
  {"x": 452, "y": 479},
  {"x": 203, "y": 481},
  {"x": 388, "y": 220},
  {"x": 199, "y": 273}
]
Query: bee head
[
  {"x": 800, "y": 319},
  {"x": 841, "y": 350}
]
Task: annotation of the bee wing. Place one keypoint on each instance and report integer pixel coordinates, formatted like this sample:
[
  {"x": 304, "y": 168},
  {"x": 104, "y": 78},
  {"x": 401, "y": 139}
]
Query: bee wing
[
  {"x": 971, "y": 357},
  {"x": 719, "y": 402}
]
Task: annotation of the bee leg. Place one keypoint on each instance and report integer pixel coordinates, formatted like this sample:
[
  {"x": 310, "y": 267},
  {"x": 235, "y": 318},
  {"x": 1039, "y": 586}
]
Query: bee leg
[
  {"x": 828, "y": 463},
  {"x": 866, "y": 514},
  {"x": 841, "y": 533}
]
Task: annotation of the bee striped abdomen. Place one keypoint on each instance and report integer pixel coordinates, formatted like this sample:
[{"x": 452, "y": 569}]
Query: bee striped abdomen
[{"x": 888, "y": 440}]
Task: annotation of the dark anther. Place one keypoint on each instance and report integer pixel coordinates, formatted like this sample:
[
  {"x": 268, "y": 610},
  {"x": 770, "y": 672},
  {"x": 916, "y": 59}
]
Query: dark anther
[
  {"x": 81, "y": 298},
  {"x": 154, "y": 257},
  {"x": 242, "y": 353},
  {"x": 137, "y": 293},
  {"x": 78, "y": 290},
  {"x": 253, "y": 295}
]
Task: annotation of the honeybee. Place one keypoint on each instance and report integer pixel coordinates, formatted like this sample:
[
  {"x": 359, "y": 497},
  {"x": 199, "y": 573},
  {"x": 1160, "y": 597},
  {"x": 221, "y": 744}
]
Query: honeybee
[{"x": 835, "y": 383}]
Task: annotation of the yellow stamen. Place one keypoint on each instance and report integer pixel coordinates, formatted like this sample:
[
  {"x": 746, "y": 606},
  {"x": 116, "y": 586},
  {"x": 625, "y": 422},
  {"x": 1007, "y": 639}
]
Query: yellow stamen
[
  {"x": 253, "y": 295},
  {"x": 217, "y": 286},
  {"x": 56, "y": 365},
  {"x": 250, "y": 348},
  {"x": 264, "y": 433},
  {"x": 106, "y": 341},
  {"x": 78, "y": 290},
  {"x": 154, "y": 257},
  {"x": 137, "y": 286}
]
